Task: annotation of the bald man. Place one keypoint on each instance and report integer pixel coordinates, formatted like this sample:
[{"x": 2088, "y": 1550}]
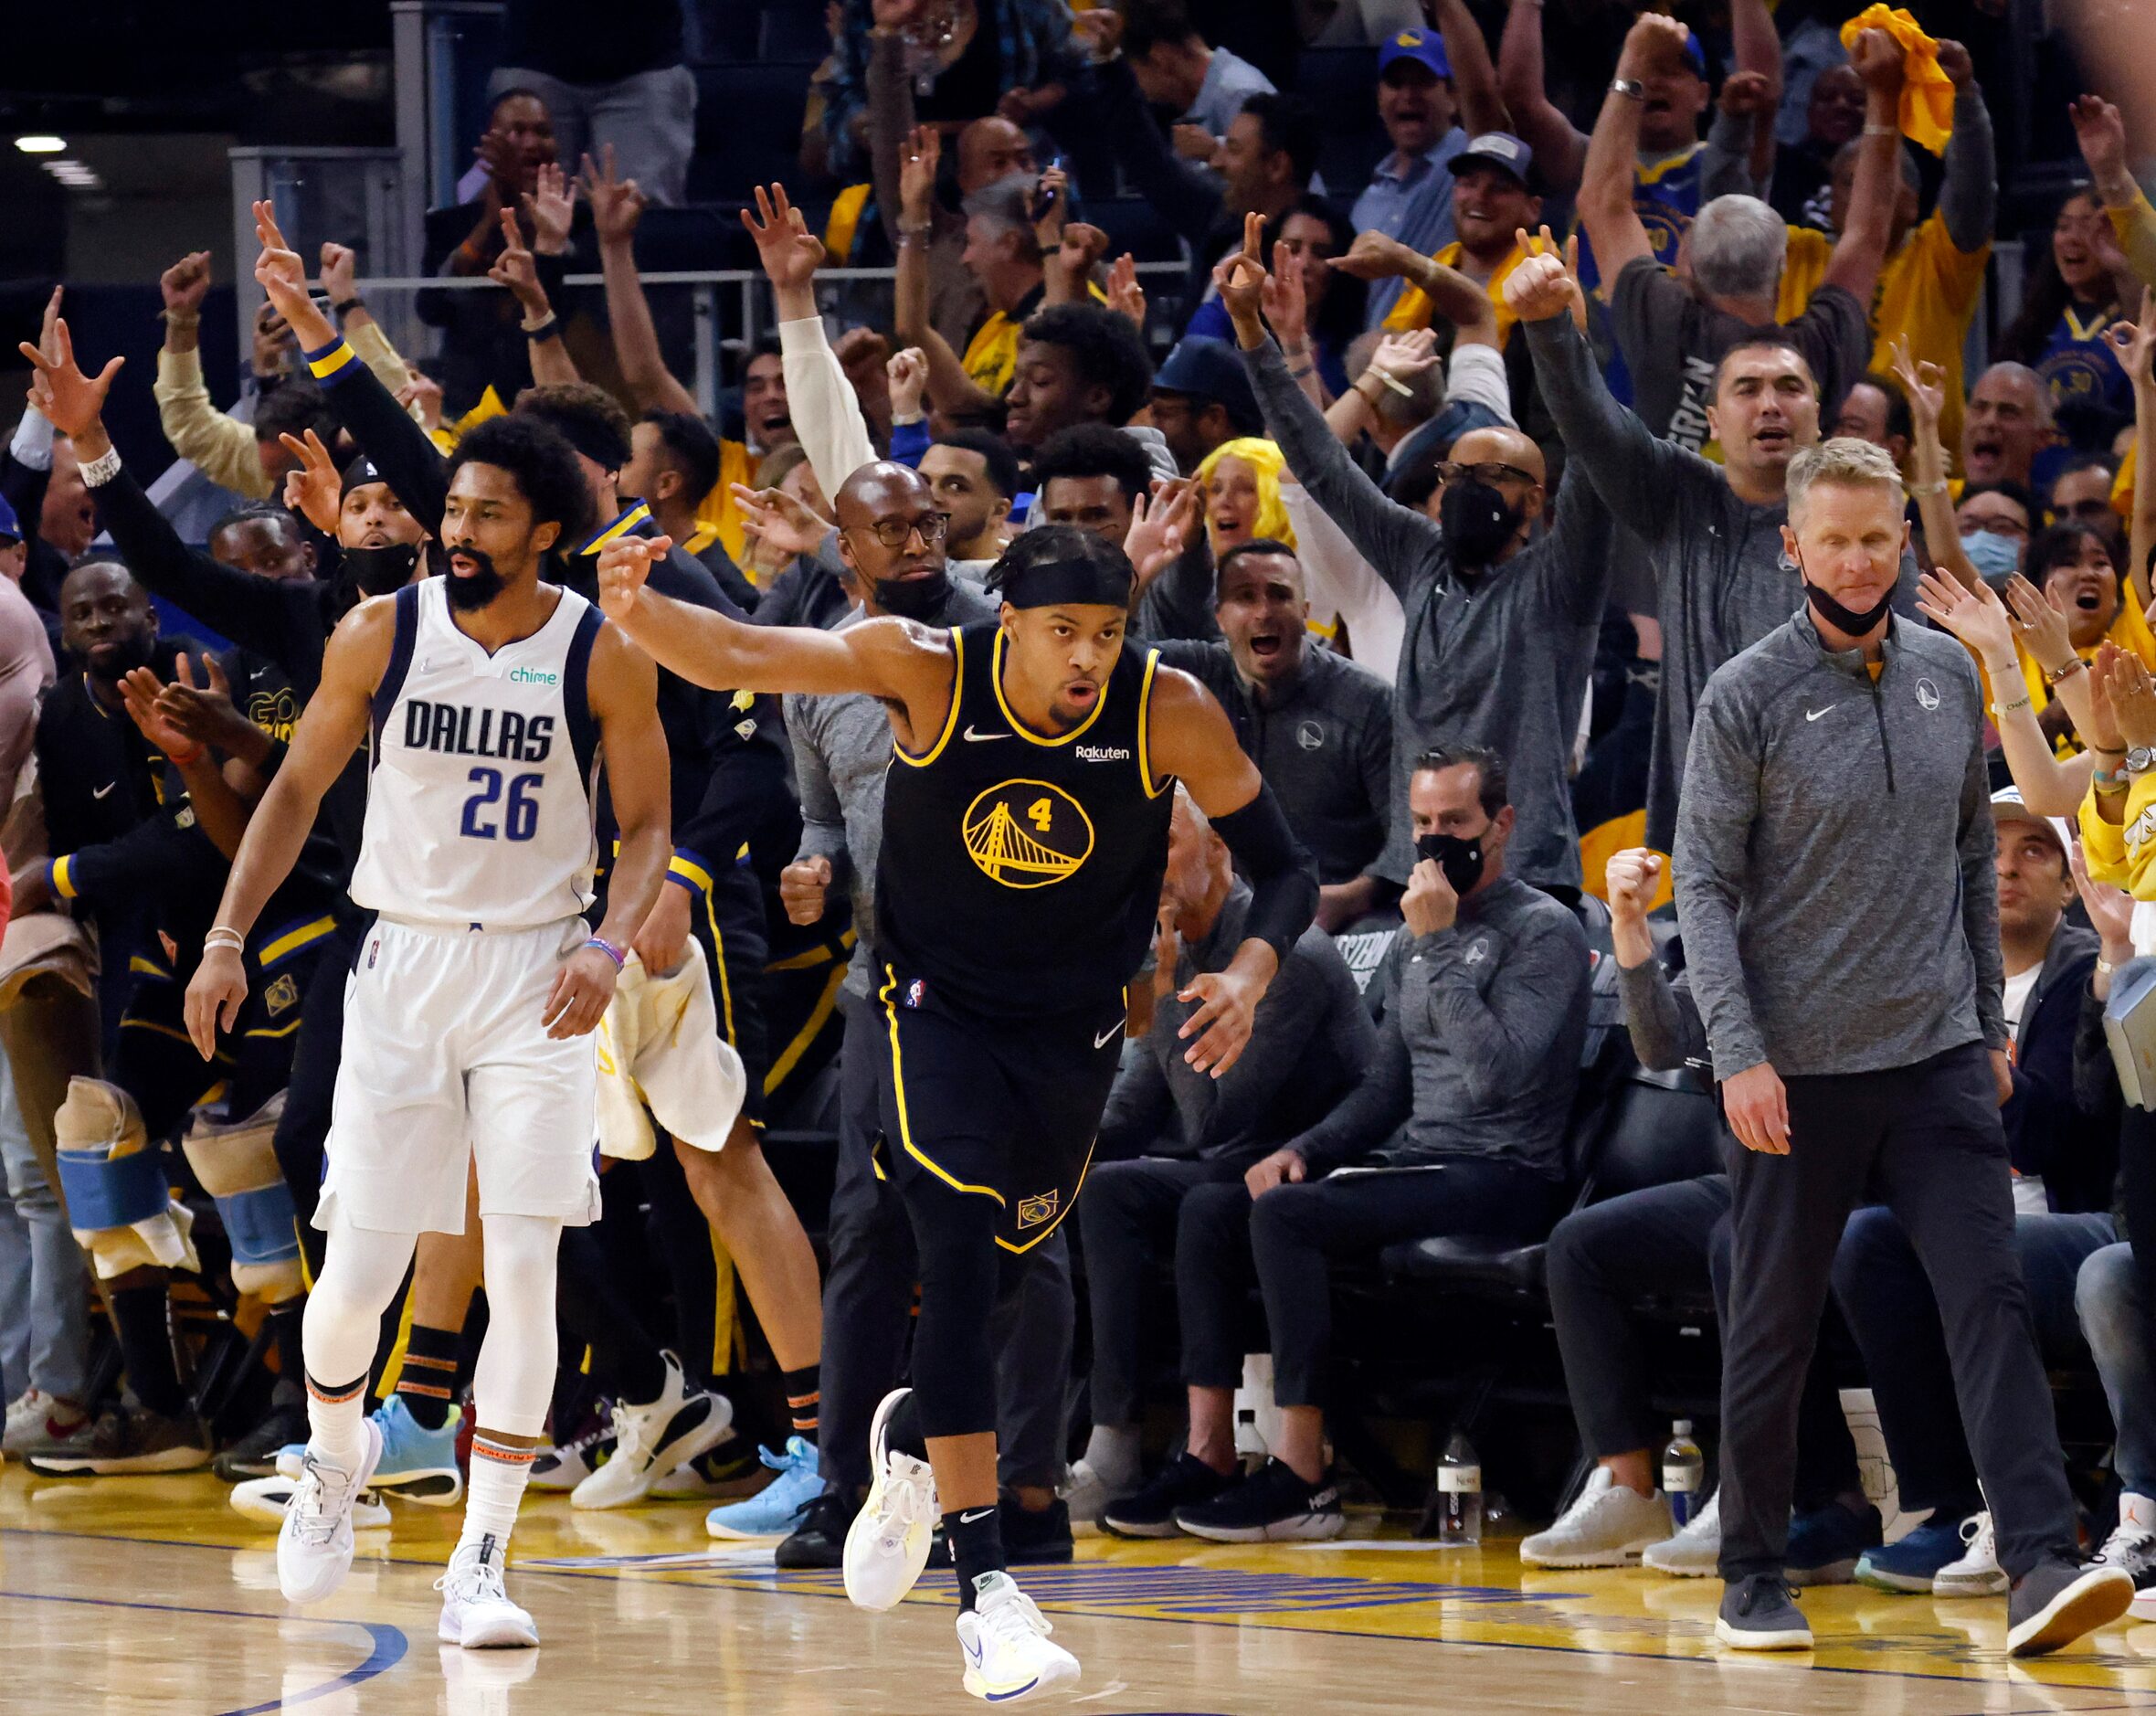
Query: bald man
[
  {"x": 2008, "y": 424},
  {"x": 1501, "y": 618}
]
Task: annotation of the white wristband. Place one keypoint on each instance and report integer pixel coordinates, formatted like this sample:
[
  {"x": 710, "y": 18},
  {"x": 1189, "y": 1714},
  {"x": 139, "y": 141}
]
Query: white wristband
[
  {"x": 98, "y": 472},
  {"x": 224, "y": 936}
]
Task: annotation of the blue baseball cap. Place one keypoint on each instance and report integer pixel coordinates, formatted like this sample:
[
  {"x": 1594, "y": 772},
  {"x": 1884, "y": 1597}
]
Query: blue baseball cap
[
  {"x": 1202, "y": 368},
  {"x": 1425, "y": 48},
  {"x": 1695, "y": 55},
  {"x": 11, "y": 527},
  {"x": 1499, "y": 149}
]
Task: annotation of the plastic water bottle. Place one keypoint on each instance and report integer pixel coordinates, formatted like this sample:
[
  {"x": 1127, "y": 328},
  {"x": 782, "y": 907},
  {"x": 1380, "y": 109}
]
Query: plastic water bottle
[
  {"x": 1459, "y": 1492},
  {"x": 1684, "y": 1473}
]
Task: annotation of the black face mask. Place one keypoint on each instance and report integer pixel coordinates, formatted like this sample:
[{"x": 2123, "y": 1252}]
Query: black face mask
[
  {"x": 1847, "y": 621},
  {"x": 477, "y": 588},
  {"x": 1459, "y": 856},
  {"x": 380, "y": 571},
  {"x": 1477, "y": 523},
  {"x": 914, "y": 598}
]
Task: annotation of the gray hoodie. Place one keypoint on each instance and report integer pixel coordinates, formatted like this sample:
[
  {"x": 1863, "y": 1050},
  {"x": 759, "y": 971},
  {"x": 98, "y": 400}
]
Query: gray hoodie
[
  {"x": 1718, "y": 559},
  {"x": 1833, "y": 862}
]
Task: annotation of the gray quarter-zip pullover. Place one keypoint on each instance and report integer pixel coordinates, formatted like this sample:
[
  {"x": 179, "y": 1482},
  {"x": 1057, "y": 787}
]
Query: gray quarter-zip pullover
[{"x": 1833, "y": 863}]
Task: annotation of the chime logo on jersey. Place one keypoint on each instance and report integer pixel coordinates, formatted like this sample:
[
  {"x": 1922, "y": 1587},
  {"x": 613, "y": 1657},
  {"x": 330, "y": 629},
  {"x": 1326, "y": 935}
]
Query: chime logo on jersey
[
  {"x": 463, "y": 731},
  {"x": 1028, "y": 834}
]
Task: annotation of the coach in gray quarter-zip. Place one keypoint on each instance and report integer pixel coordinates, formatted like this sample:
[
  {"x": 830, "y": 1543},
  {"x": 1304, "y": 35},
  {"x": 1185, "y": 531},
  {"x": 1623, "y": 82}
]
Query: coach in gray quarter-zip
[{"x": 1834, "y": 881}]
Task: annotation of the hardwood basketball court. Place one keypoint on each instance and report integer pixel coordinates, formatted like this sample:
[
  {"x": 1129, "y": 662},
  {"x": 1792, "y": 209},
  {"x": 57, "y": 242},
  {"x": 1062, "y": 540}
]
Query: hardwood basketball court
[{"x": 151, "y": 1596}]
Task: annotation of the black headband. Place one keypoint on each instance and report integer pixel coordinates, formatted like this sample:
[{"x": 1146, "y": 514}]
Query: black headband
[
  {"x": 359, "y": 473},
  {"x": 1067, "y": 583}
]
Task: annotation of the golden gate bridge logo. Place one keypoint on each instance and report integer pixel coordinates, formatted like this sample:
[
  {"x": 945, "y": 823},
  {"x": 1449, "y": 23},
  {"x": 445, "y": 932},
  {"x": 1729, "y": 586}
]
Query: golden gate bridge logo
[{"x": 1027, "y": 833}]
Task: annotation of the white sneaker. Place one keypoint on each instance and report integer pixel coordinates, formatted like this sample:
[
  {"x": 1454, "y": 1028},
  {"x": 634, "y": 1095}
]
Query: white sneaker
[
  {"x": 1005, "y": 1638},
  {"x": 1089, "y": 1496},
  {"x": 476, "y": 1612},
  {"x": 650, "y": 1441},
  {"x": 1694, "y": 1553},
  {"x": 1978, "y": 1573},
  {"x": 1607, "y": 1527},
  {"x": 315, "y": 1543},
  {"x": 565, "y": 1467},
  {"x": 265, "y": 1499},
  {"x": 887, "y": 1545}
]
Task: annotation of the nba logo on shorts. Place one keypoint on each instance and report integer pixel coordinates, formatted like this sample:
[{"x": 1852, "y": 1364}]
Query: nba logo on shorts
[
  {"x": 916, "y": 991},
  {"x": 1033, "y": 1211}
]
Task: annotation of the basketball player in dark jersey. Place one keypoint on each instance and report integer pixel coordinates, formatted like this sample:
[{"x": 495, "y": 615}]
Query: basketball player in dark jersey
[{"x": 1025, "y": 828}]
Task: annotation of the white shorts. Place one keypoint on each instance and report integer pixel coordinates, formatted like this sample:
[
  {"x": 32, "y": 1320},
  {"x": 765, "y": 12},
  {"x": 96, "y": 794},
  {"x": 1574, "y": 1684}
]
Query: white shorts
[{"x": 445, "y": 1062}]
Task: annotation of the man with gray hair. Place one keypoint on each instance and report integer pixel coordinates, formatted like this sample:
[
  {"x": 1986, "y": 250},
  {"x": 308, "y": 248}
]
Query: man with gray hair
[
  {"x": 2008, "y": 423},
  {"x": 1670, "y": 334},
  {"x": 1834, "y": 871}
]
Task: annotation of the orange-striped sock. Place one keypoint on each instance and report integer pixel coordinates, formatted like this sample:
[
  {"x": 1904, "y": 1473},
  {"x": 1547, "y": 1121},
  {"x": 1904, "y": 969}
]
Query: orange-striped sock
[
  {"x": 497, "y": 1485},
  {"x": 804, "y": 1398},
  {"x": 335, "y": 1411}
]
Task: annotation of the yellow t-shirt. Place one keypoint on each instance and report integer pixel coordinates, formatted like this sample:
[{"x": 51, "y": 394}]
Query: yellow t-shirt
[
  {"x": 1412, "y": 310},
  {"x": 991, "y": 355},
  {"x": 1927, "y": 293},
  {"x": 718, "y": 519}
]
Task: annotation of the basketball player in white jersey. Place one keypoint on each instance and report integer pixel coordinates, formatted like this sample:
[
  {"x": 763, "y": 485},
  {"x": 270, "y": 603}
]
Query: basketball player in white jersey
[{"x": 484, "y": 695}]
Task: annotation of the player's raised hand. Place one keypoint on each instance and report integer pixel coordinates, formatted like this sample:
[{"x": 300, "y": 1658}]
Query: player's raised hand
[
  {"x": 1228, "y": 1004},
  {"x": 278, "y": 268},
  {"x": 1542, "y": 286},
  {"x": 624, "y": 565},
  {"x": 802, "y": 886},
  {"x": 790, "y": 253},
  {"x": 213, "y": 997},
  {"x": 578, "y": 1001},
  {"x": 781, "y": 521},
  {"x": 313, "y": 488},
  {"x": 70, "y": 400}
]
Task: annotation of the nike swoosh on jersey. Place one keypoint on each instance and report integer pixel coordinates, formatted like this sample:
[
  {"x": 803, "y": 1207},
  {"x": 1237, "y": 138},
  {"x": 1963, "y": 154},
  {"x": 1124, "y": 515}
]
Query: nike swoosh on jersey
[
  {"x": 979, "y": 739},
  {"x": 1813, "y": 714},
  {"x": 1101, "y": 1042},
  {"x": 104, "y": 790}
]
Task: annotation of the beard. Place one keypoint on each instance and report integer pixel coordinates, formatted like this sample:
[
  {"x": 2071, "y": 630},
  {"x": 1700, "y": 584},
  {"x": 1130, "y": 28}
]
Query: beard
[{"x": 478, "y": 588}]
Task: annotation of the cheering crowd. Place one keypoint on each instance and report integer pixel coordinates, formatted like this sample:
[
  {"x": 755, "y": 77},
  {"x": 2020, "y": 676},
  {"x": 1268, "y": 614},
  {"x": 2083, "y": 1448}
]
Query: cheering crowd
[{"x": 1508, "y": 503}]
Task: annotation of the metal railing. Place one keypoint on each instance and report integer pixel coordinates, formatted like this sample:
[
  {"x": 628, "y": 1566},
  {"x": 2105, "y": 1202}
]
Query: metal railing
[{"x": 706, "y": 286}]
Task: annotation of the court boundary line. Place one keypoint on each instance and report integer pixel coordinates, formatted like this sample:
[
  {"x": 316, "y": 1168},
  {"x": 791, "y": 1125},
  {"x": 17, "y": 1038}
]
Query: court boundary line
[{"x": 2140, "y": 1701}]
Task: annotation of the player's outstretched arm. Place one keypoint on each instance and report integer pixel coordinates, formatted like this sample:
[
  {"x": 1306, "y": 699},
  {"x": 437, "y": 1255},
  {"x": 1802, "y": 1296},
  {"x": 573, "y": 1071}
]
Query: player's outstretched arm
[
  {"x": 904, "y": 665},
  {"x": 622, "y": 686},
  {"x": 1190, "y": 738},
  {"x": 331, "y": 729}
]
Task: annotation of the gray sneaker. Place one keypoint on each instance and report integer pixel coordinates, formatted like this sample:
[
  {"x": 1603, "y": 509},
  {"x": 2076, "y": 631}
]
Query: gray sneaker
[
  {"x": 126, "y": 1441},
  {"x": 1760, "y": 1613},
  {"x": 2055, "y": 1602},
  {"x": 34, "y": 1416}
]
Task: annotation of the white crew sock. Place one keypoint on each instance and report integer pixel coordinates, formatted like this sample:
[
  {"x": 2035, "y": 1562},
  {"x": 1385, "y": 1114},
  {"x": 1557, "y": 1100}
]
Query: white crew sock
[
  {"x": 336, "y": 1415},
  {"x": 497, "y": 1485}
]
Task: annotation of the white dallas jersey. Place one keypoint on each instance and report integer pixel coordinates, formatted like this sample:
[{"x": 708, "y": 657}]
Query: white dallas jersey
[{"x": 479, "y": 800}]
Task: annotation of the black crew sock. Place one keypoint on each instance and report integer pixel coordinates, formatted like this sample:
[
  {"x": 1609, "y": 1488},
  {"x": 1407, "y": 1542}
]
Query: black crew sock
[
  {"x": 640, "y": 1375},
  {"x": 427, "y": 1382},
  {"x": 976, "y": 1537},
  {"x": 146, "y": 1350},
  {"x": 292, "y": 1361},
  {"x": 804, "y": 1398}
]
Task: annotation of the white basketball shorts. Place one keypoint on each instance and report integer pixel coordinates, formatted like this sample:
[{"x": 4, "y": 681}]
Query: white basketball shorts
[{"x": 447, "y": 1063}]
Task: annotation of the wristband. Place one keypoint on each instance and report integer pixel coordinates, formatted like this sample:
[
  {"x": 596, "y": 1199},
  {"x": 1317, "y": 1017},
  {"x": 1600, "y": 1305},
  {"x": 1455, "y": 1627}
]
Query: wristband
[
  {"x": 1929, "y": 488},
  {"x": 2104, "y": 967},
  {"x": 98, "y": 472},
  {"x": 609, "y": 949},
  {"x": 2107, "y": 750},
  {"x": 546, "y": 328},
  {"x": 1881, "y": 130},
  {"x": 2053, "y": 675},
  {"x": 907, "y": 422},
  {"x": 182, "y": 318},
  {"x": 345, "y": 306},
  {"x": 224, "y": 936},
  {"x": 2020, "y": 702},
  {"x": 177, "y": 761}
]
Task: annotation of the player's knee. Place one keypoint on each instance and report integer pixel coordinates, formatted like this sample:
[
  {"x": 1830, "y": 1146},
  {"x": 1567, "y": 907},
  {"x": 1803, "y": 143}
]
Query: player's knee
[
  {"x": 120, "y": 1206},
  {"x": 237, "y": 1164}
]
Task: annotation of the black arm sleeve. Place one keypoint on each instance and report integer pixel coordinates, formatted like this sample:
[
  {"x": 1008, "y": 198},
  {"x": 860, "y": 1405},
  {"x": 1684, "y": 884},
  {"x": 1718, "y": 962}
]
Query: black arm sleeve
[
  {"x": 385, "y": 432},
  {"x": 1283, "y": 876}
]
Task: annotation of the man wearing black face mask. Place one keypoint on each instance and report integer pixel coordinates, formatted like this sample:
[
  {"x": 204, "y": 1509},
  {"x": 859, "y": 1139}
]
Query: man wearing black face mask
[
  {"x": 1500, "y": 622},
  {"x": 1463, "y": 1114},
  {"x": 1834, "y": 880}
]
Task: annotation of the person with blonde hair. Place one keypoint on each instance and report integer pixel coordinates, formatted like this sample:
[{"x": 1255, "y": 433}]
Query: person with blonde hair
[{"x": 1239, "y": 480}]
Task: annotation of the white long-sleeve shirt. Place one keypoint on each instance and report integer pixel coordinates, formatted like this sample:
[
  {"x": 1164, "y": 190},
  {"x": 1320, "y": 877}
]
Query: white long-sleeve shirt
[{"x": 819, "y": 399}]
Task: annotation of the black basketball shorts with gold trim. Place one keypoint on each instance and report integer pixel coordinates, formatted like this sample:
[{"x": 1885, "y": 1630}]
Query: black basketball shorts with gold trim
[{"x": 1000, "y": 1108}]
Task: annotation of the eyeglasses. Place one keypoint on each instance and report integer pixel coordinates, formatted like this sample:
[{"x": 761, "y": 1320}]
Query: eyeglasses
[
  {"x": 1492, "y": 472},
  {"x": 895, "y": 533}
]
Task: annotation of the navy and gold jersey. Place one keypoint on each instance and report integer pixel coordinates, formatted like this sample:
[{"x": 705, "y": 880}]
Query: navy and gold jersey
[{"x": 1021, "y": 873}]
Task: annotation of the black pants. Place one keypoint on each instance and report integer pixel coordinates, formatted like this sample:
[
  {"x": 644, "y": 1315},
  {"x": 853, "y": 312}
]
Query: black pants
[
  {"x": 1290, "y": 1234},
  {"x": 303, "y": 1129},
  {"x": 1666, "y": 1240},
  {"x": 868, "y": 1298},
  {"x": 1128, "y": 1219},
  {"x": 1883, "y": 1290},
  {"x": 1924, "y": 1140}
]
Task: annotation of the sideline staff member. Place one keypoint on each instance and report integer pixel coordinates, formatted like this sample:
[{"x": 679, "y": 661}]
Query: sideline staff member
[{"x": 1834, "y": 880}]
